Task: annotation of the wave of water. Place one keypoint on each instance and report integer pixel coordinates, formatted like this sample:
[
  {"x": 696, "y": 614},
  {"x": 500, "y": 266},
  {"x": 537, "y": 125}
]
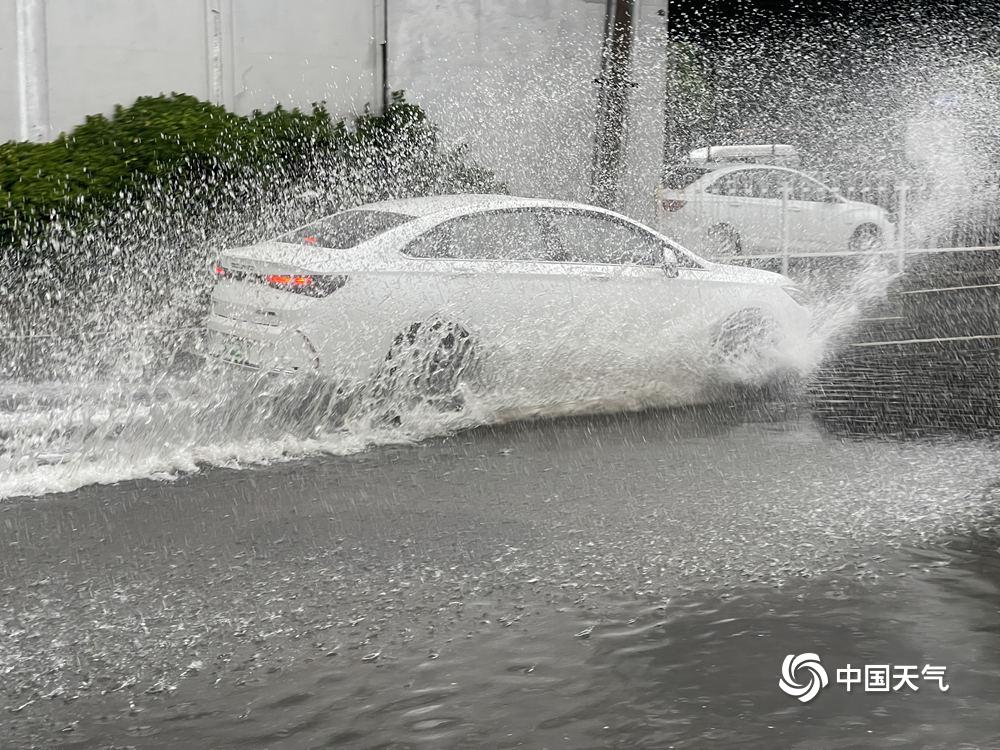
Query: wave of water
[
  {"x": 139, "y": 402},
  {"x": 128, "y": 423}
]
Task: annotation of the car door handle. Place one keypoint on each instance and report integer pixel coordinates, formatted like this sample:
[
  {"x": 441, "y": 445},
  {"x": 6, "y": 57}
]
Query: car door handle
[{"x": 598, "y": 276}]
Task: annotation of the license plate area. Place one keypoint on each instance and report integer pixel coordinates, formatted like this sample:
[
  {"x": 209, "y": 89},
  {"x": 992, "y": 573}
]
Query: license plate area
[{"x": 234, "y": 349}]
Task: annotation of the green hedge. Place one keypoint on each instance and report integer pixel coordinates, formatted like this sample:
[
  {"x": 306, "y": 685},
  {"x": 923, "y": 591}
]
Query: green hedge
[
  {"x": 111, "y": 225},
  {"x": 175, "y": 152}
]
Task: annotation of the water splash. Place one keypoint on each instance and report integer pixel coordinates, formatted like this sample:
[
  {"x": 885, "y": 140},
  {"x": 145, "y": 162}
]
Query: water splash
[
  {"x": 175, "y": 415},
  {"x": 104, "y": 384}
]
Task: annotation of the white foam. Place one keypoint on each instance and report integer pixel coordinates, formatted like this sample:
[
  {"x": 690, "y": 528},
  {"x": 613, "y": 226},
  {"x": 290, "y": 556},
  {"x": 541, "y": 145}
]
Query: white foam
[{"x": 104, "y": 432}]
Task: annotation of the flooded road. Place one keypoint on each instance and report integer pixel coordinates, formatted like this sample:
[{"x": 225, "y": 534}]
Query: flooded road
[
  {"x": 630, "y": 580},
  {"x": 194, "y": 557}
]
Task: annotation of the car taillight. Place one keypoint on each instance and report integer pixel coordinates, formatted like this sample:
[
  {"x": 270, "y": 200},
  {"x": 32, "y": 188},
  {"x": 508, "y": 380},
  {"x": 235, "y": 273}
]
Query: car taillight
[
  {"x": 310, "y": 284},
  {"x": 222, "y": 273},
  {"x": 314, "y": 286},
  {"x": 293, "y": 281},
  {"x": 672, "y": 204}
]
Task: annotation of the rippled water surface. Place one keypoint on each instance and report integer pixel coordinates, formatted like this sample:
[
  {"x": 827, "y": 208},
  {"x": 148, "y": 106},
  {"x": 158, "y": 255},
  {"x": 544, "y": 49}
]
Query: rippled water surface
[{"x": 622, "y": 581}]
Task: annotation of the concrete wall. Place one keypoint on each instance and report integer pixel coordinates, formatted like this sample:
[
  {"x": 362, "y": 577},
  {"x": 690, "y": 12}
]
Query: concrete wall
[
  {"x": 9, "y": 106},
  {"x": 512, "y": 78},
  {"x": 515, "y": 80},
  {"x": 300, "y": 51},
  {"x": 245, "y": 54}
]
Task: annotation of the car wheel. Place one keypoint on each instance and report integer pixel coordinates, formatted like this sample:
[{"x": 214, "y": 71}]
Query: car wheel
[
  {"x": 426, "y": 362},
  {"x": 742, "y": 337},
  {"x": 724, "y": 241},
  {"x": 866, "y": 239}
]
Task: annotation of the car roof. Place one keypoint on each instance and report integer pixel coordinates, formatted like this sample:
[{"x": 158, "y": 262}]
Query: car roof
[
  {"x": 724, "y": 168},
  {"x": 461, "y": 202},
  {"x": 732, "y": 166},
  {"x": 704, "y": 166}
]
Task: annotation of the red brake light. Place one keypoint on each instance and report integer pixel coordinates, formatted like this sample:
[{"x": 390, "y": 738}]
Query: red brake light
[
  {"x": 314, "y": 286},
  {"x": 672, "y": 204},
  {"x": 311, "y": 285},
  {"x": 287, "y": 280}
]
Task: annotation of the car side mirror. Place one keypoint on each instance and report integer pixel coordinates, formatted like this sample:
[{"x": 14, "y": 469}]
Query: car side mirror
[
  {"x": 831, "y": 196},
  {"x": 668, "y": 262}
]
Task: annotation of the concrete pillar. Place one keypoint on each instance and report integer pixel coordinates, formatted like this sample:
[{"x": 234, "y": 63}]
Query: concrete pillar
[
  {"x": 32, "y": 71},
  {"x": 610, "y": 139},
  {"x": 382, "y": 90},
  {"x": 214, "y": 24},
  {"x": 220, "y": 54}
]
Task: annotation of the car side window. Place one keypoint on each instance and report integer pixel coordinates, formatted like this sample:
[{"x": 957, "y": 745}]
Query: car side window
[
  {"x": 438, "y": 243},
  {"x": 490, "y": 235},
  {"x": 728, "y": 184},
  {"x": 800, "y": 187},
  {"x": 684, "y": 258},
  {"x": 600, "y": 238},
  {"x": 745, "y": 183},
  {"x": 771, "y": 182},
  {"x": 760, "y": 183},
  {"x": 806, "y": 189}
]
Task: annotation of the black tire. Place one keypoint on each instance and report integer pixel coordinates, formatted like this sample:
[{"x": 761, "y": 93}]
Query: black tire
[
  {"x": 866, "y": 239},
  {"x": 724, "y": 241},
  {"x": 744, "y": 335},
  {"x": 426, "y": 362}
]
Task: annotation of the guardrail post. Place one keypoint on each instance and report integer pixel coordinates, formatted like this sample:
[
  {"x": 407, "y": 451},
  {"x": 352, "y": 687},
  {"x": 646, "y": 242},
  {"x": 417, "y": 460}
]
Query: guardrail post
[
  {"x": 786, "y": 192},
  {"x": 901, "y": 189}
]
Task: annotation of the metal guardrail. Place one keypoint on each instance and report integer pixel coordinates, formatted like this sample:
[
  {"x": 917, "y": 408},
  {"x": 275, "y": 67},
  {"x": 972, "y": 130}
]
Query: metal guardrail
[
  {"x": 912, "y": 342},
  {"x": 894, "y": 253}
]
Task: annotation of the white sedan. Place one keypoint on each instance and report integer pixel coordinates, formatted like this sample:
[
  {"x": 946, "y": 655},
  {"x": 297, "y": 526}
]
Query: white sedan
[
  {"x": 541, "y": 300},
  {"x": 727, "y": 209}
]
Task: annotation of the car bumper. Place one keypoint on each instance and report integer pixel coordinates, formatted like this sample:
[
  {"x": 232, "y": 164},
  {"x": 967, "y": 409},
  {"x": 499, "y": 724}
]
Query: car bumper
[{"x": 258, "y": 347}]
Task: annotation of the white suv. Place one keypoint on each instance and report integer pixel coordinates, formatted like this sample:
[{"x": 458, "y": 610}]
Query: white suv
[{"x": 727, "y": 209}]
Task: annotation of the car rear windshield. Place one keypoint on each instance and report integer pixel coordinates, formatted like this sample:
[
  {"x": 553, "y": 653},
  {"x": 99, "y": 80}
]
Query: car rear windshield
[
  {"x": 344, "y": 230},
  {"x": 678, "y": 178}
]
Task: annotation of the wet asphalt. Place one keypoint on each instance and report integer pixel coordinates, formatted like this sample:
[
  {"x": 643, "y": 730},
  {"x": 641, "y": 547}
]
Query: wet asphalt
[{"x": 619, "y": 581}]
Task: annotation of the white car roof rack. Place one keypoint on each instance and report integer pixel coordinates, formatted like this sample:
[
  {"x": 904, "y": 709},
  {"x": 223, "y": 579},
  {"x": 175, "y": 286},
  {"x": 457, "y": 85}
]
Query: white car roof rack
[{"x": 759, "y": 153}]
